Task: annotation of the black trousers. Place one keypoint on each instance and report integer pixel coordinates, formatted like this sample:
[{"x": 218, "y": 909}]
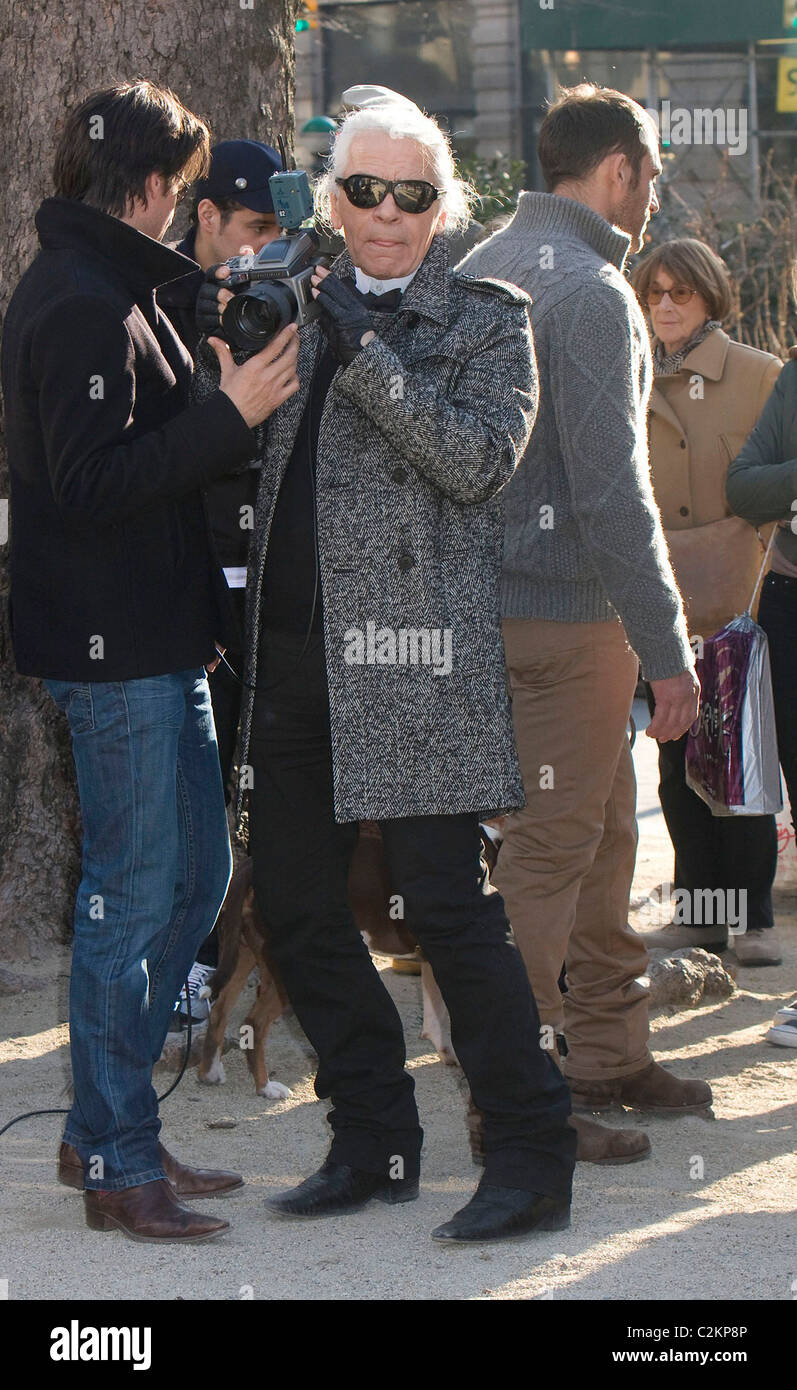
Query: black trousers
[
  {"x": 711, "y": 852},
  {"x": 301, "y": 860},
  {"x": 777, "y": 615}
]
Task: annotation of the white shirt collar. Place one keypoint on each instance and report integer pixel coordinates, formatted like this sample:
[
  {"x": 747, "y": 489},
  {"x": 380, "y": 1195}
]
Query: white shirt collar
[{"x": 367, "y": 284}]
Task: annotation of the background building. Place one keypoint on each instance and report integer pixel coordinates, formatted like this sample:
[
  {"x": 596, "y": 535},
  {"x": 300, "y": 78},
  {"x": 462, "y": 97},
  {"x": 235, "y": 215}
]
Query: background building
[{"x": 487, "y": 67}]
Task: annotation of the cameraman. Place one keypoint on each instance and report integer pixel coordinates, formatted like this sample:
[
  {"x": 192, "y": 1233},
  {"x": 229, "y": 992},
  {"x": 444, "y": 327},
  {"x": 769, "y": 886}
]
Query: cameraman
[
  {"x": 231, "y": 209},
  {"x": 114, "y": 604}
]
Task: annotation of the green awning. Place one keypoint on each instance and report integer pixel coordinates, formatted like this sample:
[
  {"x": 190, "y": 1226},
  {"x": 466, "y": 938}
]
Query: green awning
[{"x": 585, "y": 24}]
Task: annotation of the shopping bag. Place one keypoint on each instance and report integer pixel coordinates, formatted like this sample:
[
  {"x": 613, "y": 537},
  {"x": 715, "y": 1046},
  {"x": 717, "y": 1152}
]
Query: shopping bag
[{"x": 731, "y": 749}]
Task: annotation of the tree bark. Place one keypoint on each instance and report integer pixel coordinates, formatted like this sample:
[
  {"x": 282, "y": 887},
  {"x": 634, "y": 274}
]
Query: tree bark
[{"x": 232, "y": 63}]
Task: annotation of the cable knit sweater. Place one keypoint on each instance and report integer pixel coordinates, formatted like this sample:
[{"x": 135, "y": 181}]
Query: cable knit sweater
[{"x": 583, "y": 538}]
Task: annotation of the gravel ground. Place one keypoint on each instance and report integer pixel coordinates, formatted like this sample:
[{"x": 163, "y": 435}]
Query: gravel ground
[{"x": 710, "y": 1216}]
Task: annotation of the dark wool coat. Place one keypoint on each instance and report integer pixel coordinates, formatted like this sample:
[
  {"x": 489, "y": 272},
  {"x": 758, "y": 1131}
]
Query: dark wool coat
[
  {"x": 417, "y": 437},
  {"x": 107, "y": 460}
]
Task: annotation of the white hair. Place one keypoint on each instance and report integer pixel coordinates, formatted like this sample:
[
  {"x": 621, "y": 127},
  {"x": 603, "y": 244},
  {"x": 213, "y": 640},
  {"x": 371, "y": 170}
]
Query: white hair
[{"x": 401, "y": 121}]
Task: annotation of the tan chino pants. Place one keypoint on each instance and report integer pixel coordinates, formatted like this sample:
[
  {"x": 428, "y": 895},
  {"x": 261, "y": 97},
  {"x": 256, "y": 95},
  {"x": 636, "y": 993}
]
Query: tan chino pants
[{"x": 567, "y": 862}]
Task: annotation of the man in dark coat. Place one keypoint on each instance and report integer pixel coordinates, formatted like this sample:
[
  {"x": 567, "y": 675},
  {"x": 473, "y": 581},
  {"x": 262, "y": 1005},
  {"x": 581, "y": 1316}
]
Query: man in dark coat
[{"x": 115, "y": 603}]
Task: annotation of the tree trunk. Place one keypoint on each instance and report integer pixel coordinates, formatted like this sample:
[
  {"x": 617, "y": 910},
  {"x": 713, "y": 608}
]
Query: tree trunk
[{"x": 231, "y": 63}]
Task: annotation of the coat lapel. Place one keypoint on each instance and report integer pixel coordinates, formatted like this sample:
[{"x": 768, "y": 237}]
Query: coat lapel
[
  {"x": 659, "y": 405},
  {"x": 708, "y": 358}
]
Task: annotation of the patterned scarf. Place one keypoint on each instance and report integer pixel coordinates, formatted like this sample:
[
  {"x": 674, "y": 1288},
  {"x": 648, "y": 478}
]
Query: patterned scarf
[{"x": 669, "y": 364}]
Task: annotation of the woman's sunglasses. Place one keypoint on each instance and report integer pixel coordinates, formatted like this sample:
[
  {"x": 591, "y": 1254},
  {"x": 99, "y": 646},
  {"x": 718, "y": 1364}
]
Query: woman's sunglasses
[
  {"x": 410, "y": 195},
  {"x": 679, "y": 294}
]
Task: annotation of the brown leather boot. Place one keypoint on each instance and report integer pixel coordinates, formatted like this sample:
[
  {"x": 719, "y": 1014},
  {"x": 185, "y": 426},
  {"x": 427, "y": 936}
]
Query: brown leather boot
[
  {"x": 70, "y": 1168},
  {"x": 759, "y": 946},
  {"x": 198, "y": 1182},
  {"x": 150, "y": 1212},
  {"x": 185, "y": 1181},
  {"x": 599, "y": 1144},
  {"x": 653, "y": 1089}
]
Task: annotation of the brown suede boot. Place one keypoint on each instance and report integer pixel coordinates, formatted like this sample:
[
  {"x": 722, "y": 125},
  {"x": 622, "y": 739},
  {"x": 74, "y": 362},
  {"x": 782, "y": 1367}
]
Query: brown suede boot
[
  {"x": 596, "y": 1143},
  {"x": 185, "y": 1181},
  {"x": 653, "y": 1089},
  {"x": 150, "y": 1212},
  {"x": 599, "y": 1144}
]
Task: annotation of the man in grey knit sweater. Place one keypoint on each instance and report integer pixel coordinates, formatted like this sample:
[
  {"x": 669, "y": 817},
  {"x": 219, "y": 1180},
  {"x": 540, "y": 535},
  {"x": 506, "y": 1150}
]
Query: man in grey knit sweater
[{"x": 587, "y": 594}]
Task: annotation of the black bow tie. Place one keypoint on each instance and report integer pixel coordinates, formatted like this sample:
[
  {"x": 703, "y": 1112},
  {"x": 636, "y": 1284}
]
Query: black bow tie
[{"x": 390, "y": 300}]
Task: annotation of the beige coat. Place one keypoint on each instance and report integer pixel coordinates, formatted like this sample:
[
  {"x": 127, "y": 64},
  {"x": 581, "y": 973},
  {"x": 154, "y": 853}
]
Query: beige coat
[{"x": 699, "y": 420}]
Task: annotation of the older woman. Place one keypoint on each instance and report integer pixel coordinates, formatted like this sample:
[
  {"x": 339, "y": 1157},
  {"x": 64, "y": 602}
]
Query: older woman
[
  {"x": 708, "y": 393},
  {"x": 376, "y": 686}
]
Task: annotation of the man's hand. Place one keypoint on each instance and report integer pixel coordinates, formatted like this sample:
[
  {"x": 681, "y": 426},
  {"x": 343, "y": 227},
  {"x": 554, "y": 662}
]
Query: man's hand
[
  {"x": 210, "y": 668},
  {"x": 677, "y": 703},
  {"x": 264, "y": 381},
  {"x": 344, "y": 318}
]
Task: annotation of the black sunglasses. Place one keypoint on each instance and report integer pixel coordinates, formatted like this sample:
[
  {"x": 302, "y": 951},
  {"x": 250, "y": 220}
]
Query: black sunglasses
[{"x": 410, "y": 195}]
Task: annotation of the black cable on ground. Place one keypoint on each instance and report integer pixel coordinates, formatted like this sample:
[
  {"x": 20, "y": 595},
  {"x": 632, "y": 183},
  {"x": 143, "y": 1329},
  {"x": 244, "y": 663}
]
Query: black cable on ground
[{"x": 29, "y": 1114}]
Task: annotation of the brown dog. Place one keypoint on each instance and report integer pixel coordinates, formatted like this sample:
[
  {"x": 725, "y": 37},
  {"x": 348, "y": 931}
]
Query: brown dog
[
  {"x": 377, "y": 914},
  {"x": 243, "y": 946}
]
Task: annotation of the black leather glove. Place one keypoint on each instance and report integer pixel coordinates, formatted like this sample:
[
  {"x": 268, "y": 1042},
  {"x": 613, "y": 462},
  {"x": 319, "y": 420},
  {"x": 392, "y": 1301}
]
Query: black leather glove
[
  {"x": 208, "y": 316},
  {"x": 344, "y": 318}
]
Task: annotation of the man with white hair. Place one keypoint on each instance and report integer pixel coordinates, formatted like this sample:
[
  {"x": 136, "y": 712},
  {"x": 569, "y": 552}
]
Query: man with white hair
[{"x": 375, "y": 684}]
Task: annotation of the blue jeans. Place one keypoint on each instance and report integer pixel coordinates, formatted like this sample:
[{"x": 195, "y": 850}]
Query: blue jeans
[{"x": 155, "y": 869}]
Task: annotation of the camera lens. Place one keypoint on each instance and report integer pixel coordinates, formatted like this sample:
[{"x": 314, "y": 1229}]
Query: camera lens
[{"x": 255, "y": 315}]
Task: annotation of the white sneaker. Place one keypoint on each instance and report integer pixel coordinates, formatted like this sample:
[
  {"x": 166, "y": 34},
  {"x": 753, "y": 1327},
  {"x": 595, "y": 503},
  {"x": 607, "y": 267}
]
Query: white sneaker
[
  {"x": 675, "y": 937},
  {"x": 788, "y": 1014},
  {"x": 783, "y": 1034},
  {"x": 757, "y": 947},
  {"x": 199, "y": 977}
]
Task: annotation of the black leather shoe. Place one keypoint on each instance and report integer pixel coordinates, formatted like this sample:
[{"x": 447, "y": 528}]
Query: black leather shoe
[
  {"x": 337, "y": 1188},
  {"x": 503, "y": 1213}
]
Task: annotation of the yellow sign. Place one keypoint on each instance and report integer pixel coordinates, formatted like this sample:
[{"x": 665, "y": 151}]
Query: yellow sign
[{"x": 787, "y": 84}]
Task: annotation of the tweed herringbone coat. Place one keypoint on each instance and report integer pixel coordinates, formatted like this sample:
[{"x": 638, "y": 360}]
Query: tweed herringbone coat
[{"x": 417, "y": 437}]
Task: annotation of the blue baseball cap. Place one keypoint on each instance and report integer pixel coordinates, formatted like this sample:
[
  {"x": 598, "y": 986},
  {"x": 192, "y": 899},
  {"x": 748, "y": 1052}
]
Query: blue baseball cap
[{"x": 241, "y": 169}]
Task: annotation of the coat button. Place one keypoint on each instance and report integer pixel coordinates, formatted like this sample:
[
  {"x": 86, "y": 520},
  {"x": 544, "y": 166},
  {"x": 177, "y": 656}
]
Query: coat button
[
  {"x": 399, "y": 475},
  {"x": 684, "y": 511},
  {"x": 683, "y": 443},
  {"x": 406, "y": 562}
]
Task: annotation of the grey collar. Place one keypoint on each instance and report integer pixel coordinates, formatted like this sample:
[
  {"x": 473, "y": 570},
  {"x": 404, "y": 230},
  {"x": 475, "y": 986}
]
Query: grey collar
[{"x": 541, "y": 212}]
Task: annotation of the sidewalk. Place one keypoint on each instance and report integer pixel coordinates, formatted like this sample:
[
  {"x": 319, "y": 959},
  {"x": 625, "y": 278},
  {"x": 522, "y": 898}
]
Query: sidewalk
[{"x": 709, "y": 1216}]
